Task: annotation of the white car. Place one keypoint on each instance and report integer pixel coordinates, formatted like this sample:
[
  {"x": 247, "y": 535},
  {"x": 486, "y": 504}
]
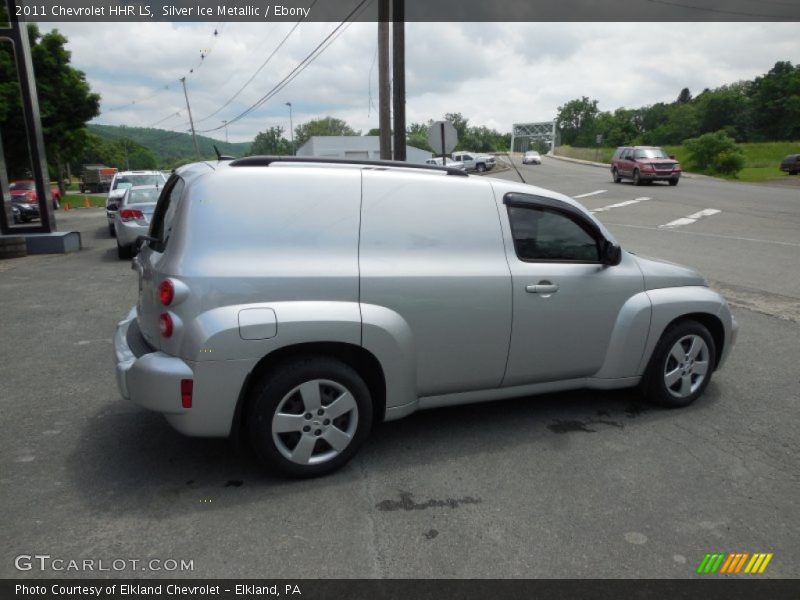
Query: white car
[
  {"x": 531, "y": 158},
  {"x": 437, "y": 161},
  {"x": 133, "y": 215}
]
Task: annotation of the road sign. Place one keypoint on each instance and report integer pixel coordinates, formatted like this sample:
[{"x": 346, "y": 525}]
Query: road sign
[{"x": 442, "y": 137}]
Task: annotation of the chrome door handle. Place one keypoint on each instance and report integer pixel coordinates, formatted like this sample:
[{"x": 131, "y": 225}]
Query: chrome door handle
[{"x": 543, "y": 287}]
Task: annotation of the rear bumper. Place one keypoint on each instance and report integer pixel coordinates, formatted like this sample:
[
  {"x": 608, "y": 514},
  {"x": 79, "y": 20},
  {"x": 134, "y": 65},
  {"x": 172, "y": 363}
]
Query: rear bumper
[{"x": 152, "y": 379}]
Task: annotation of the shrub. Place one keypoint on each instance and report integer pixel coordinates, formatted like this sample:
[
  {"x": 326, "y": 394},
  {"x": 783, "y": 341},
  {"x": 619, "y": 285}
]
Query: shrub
[{"x": 714, "y": 153}]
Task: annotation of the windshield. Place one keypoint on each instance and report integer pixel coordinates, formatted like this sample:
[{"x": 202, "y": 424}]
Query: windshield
[
  {"x": 650, "y": 153},
  {"x": 21, "y": 185},
  {"x": 142, "y": 196},
  {"x": 136, "y": 180}
]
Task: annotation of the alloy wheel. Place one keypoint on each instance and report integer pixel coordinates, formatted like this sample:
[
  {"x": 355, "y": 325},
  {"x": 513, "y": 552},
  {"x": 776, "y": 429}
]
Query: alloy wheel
[{"x": 686, "y": 367}]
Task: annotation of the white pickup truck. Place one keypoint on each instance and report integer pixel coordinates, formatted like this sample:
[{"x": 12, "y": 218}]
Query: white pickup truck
[{"x": 474, "y": 161}]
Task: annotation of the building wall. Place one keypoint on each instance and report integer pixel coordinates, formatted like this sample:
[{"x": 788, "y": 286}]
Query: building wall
[{"x": 363, "y": 147}]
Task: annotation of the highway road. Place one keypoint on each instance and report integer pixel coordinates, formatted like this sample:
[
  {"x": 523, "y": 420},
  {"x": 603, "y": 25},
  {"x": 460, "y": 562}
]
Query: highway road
[{"x": 579, "y": 484}]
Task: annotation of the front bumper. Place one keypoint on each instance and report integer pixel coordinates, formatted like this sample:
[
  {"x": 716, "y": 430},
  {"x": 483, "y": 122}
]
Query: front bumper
[{"x": 656, "y": 176}]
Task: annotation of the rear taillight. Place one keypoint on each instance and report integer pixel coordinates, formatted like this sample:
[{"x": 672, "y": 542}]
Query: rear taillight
[
  {"x": 165, "y": 325},
  {"x": 187, "y": 386},
  {"x": 166, "y": 292},
  {"x": 131, "y": 214}
]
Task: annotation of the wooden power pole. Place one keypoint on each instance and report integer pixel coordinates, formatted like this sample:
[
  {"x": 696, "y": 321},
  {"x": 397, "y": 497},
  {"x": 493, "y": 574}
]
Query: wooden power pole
[
  {"x": 399, "y": 78},
  {"x": 384, "y": 84}
]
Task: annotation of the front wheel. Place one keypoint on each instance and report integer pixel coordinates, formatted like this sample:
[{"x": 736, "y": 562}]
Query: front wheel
[
  {"x": 681, "y": 365},
  {"x": 309, "y": 416},
  {"x": 481, "y": 167},
  {"x": 673, "y": 182},
  {"x": 637, "y": 180},
  {"x": 615, "y": 175}
]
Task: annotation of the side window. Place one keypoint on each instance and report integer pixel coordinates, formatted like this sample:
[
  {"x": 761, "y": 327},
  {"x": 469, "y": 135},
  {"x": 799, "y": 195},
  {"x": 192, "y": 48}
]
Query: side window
[
  {"x": 548, "y": 235},
  {"x": 161, "y": 226},
  {"x": 626, "y": 154}
]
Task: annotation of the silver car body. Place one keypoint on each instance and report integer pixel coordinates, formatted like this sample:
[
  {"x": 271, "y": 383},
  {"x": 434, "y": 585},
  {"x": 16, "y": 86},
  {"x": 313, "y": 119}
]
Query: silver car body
[
  {"x": 129, "y": 229},
  {"x": 531, "y": 158},
  {"x": 413, "y": 271}
]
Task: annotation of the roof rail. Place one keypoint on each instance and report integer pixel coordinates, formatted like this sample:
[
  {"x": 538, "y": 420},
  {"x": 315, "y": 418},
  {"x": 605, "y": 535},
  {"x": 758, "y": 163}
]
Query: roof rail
[{"x": 265, "y": 161}]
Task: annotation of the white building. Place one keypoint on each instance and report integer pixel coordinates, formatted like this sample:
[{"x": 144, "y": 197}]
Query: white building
[{"x": 354, "y": 147}]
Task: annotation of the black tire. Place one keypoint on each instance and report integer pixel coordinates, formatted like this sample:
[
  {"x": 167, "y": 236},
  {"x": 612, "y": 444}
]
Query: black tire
[
  {"x": 615, "y": 175},
  {"x": 654, "y": 385},
  {"x": 673, "y": 182},
  {"x": 274, "y": 386},
  {"x": 636, "y": 179},
  {"x": 111, "y": 231},
  {"x": 481, "y": 167},
  {"x": 124, "y": 252}
]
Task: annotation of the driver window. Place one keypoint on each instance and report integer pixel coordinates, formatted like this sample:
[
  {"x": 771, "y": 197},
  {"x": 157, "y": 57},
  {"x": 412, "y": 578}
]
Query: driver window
[{"x": 546, "y": 235}]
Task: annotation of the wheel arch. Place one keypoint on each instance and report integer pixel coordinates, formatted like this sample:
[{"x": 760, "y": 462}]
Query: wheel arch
[{"x": 359, "y": 359}]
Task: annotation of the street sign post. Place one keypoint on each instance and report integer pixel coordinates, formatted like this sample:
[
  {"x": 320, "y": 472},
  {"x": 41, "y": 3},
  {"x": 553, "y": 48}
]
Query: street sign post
[{"x": 442, "y": 136}]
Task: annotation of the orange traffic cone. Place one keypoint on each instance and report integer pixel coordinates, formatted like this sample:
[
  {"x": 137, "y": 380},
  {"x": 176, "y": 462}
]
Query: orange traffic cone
[
  {"x": 86, "y": 203},
  {"x": 67, "y": 206}
]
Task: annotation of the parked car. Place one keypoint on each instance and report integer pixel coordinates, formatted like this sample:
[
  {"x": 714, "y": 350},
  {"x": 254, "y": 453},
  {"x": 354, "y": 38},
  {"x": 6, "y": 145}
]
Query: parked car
[
  {"x": 112, "y": 205},
  {"x": 136, "y": 179},
  {"x": 27, "y": 210},
  {"x": 437, "y": 161},
  {"x": 474, "y": 161},
  {"x": 296, "y": 302},
  {"x": 132, "y": 217},
  {"x": 531, "y": 157},
  {"x": 16, "y": 214},
  {"x": 644, "y": 164},
  {"x": 791, "y": 164},
  {"x": 26, "y": 188}
]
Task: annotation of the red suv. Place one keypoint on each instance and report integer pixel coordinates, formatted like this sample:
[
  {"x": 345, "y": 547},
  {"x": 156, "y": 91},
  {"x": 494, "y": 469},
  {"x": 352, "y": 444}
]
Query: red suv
[{"x": 644, "y": 164}]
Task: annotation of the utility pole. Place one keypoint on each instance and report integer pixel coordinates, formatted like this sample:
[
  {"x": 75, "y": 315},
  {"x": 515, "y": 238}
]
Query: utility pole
[
  {"x": 384, "y": 84},
  {"x": 291, "y": 127},
  {"x": 191, "y": 122},
  {"x": 399, "y": 77}
]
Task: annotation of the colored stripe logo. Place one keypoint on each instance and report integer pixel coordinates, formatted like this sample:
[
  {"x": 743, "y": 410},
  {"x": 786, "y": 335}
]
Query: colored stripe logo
[{"x": 734, "y": 562}]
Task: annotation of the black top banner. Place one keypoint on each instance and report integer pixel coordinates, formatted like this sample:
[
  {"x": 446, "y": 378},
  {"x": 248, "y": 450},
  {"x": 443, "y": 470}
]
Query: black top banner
[{"x": 415, "y": 10}]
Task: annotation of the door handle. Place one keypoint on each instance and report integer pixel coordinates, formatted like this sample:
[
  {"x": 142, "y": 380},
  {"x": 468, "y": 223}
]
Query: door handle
[{"x": 543, "y": 287}]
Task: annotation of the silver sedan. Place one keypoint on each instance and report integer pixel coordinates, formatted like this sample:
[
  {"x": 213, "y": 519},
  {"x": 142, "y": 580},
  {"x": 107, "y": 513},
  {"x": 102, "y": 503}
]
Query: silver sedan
[{"x": 132, "y": 218}]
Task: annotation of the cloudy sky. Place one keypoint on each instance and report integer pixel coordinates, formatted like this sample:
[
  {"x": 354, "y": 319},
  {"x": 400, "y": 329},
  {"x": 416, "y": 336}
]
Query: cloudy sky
[{"x": 495, "y": 74}]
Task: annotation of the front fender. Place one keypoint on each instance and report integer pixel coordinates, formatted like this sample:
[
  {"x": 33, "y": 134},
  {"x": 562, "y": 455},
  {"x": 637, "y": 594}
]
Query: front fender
[
  {"x": 671, "y": 303},
  {"x": 628, "y": 340}
]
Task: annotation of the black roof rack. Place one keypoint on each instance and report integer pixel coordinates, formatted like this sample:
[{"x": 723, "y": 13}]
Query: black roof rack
[{"x": 265, "y": 161}]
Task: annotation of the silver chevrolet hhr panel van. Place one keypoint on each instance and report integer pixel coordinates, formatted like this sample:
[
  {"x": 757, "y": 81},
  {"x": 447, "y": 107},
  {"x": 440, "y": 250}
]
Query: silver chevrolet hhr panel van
[{"x": 297, "y": 302}]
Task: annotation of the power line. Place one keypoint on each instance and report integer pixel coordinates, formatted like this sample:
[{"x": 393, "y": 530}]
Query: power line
[
  {"x": 301, "y": 66},
  {"x": 258, "y": 70},
  {"x": 722, "y": 11}
]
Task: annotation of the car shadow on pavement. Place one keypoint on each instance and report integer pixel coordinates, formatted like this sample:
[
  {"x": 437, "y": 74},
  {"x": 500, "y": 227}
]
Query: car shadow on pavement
[{"x": 129, "y": 460}]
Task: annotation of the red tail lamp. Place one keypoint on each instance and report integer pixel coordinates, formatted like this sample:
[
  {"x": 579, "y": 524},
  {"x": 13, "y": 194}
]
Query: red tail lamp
[{"x": 187, "y": 385}]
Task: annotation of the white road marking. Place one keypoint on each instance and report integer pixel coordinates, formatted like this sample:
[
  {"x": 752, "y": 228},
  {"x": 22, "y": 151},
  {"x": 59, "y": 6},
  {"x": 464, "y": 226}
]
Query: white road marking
[
  {"x": 707, "y": 212},
  {"x": 712, "y": 235},
  {"x": 620, "y": 204},
  {"x": 590, "y": 194}
]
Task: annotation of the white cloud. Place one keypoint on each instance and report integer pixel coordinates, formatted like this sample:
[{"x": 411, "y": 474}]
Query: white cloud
[{"x": 493, "y": 73}]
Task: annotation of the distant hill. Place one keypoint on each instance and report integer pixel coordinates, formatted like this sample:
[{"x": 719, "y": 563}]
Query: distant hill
[{"x": 169, "y": 147}]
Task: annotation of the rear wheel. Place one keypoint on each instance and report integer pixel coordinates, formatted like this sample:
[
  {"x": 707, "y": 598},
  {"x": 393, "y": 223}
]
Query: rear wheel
[
  {"x": 637, "y": 180},
  {"x": 615, "y": 175},
  {"x": 124, "y": 251},
  {"x": 681, "y": 365},
  {"x": 111, "y": 231},
  {"x": 309, "y": 416}
]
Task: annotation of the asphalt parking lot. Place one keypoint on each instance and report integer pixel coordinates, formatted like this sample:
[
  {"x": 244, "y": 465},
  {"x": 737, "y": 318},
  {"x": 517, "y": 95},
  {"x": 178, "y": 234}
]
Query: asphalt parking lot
[{"x": 579, "y": 484}]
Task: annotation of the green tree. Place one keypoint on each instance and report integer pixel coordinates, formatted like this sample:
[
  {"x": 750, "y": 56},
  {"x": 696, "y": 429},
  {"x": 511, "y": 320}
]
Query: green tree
[
  {"x": 325, "y": 126},
  {"x": 684, "y": 97},
  {"x": 576, "y": 121},
  {"x": 271, "y": 142},
  {"x": 775, "y": 97},
  {"x": 66, "y": 103},
  {"x": 715, "y": 153}
]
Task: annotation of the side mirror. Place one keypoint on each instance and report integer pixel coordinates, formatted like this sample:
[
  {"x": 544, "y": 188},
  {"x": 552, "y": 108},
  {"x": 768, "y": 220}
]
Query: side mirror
[
  {"x": 611, "y": 254},
  {"x": 142, "y": 239}
]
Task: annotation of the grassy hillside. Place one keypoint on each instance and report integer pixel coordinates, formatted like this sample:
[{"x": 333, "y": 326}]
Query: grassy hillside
[
  {"x": 169, "y": 147},
  {"x": 761, "y": 160}
]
